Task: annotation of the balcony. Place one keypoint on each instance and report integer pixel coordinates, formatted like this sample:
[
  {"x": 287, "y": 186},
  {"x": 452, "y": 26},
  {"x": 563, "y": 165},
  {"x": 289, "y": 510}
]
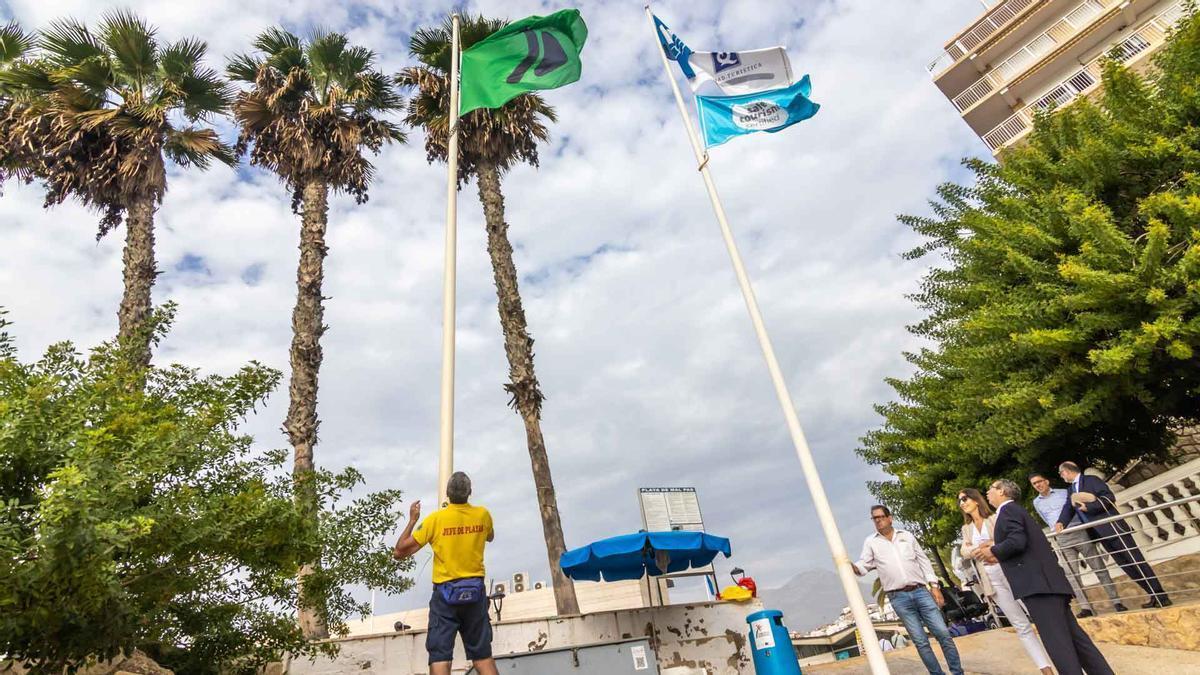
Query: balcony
[
  {"x": 998, "y": 16},
  {"x": 1072, "y": 24},
  {"x": 1133, "y": 48}
]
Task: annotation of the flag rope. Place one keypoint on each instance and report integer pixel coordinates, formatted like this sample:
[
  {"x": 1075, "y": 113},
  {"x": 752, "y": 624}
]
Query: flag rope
[{"x": 833, "y": 537}]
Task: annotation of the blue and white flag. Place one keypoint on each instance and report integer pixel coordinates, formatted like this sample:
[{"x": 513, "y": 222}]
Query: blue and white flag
[
  {"x": 747, "y": 72},
  {"x": 723, "y": 117},
  {"x": 674, "y": 48}
]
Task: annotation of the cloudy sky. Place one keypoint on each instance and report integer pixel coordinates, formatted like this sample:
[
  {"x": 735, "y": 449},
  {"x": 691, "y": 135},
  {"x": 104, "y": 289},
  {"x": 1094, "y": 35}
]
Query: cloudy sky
[{"x": 644, "y": 347}]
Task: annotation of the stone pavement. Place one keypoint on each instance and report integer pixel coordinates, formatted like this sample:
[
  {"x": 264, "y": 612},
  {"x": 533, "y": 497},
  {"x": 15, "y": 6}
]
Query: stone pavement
[{"x": 999, "y": 652}]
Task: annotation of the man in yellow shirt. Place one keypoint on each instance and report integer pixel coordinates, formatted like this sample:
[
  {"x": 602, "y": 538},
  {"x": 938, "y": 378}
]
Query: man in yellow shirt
[{"x": 459, "y": 606}]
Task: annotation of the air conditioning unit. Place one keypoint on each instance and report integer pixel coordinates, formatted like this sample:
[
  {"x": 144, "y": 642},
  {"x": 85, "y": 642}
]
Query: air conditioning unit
[
  {"x": 500, "y": 587},
  {"x": 539, "y": 585},
  {"x": 520, "y": 582}
]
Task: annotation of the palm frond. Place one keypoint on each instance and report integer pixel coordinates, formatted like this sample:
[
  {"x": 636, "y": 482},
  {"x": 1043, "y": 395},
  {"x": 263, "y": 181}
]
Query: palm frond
[
  {"x": 324, "y": 54},
  {"x": 431, "y": 44},
  {"x": 477, "y": 28},
  {"x": 197, "y": 147},
  {"x": 373, "y": 92},
  {"x": 93, "y": 73},
  {"x": 181, "y": 58},
  {"x": 274, "y": 40},
  {"x": 204, "y": 94},
  {"x": 68, "y": 42},
  {"x": 287, "y": 60},
  {"x": 355, "y": 61},
  {"x": 90, "y": 120},
  {"x": 131, "y": 42},
  {"x": 23, "y": 79},
  {"x": 243, "y": 68},
  {"x": 66, "y": 98},
  {"x": 14, "y": 42}
]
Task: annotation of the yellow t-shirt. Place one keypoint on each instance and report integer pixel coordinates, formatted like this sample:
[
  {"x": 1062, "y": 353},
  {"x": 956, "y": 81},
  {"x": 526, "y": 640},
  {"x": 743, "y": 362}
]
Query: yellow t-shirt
[{"x": 457, "y": 535}]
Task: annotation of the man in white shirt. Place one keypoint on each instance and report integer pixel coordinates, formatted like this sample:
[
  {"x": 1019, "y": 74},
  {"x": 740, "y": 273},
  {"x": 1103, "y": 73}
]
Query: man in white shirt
[
  {"x": 1073, "y": 546},
  {"x": 904, "y": 571}
]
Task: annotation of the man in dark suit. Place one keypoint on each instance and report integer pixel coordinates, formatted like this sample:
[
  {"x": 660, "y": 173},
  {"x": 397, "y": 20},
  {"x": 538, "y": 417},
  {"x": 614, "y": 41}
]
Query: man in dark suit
[
  {"x": 1036, "y": 578},
  {"x": 1091, "y": 499}
]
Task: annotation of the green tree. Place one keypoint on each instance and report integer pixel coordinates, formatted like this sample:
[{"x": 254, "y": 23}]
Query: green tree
[
  {"x": 490, "y": 142},
  {"x": 139, "y": 517},
  {"x": 96, "y": 115},
  {"x": 309, "y": 112},
  {"x": 1065, "y": 321}
]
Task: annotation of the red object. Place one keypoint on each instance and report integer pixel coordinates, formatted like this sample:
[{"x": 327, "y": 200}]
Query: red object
[{"x": 748, "y": 584}]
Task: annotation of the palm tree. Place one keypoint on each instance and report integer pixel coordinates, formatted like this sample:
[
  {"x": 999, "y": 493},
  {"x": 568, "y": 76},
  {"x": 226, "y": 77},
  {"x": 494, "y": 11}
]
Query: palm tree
[
  {"x": 490, "y": 143},
  {"x": 94, "y": 115},
  {"x": 307, "y": 115},
  {"x": 14, "y": 44}
]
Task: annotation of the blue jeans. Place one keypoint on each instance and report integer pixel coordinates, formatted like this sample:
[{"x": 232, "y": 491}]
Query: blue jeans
[{"x": 918, "y": 611}]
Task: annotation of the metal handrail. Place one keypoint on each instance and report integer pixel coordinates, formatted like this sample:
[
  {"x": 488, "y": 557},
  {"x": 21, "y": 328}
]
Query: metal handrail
[
  {"x": 1003, "y": 72},
  {"x": 977, "y": 33},
  {"x": 1136, "y": 512}
]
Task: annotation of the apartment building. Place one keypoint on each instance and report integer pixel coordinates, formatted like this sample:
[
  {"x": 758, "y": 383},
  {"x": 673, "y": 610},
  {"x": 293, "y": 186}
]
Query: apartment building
[{"x": 1023, "y": 56}]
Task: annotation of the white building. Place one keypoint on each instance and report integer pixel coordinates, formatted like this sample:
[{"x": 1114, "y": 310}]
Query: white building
[{"x": 1022, "y": 56}]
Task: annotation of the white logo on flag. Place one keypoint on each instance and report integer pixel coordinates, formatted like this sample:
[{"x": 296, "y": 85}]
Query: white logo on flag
[
  {"x": 742, "y": 72},
  {"x": 759, "y": 115},
  {"x": 723, "y": 60}
]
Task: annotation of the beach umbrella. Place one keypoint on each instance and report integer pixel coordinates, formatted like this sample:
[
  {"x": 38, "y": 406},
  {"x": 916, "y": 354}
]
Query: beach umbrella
[{"x": 632, "y": 556}]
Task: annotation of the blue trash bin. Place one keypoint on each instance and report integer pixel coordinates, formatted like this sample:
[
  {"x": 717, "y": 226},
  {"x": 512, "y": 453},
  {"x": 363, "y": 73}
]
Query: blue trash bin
[{"x": 771, "y": 645}]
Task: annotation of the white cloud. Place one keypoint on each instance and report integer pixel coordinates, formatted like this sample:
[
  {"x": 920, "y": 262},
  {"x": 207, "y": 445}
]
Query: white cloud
[{"x": 643, "y": 344}]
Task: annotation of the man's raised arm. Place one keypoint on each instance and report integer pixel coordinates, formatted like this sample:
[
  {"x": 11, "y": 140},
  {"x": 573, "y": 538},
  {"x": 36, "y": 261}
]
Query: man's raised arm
[{"x": 407, "y": 545}]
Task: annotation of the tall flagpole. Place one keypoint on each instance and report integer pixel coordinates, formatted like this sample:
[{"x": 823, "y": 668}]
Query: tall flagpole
[
  {"x": 446, "y": 455},
  {"x": 833, "y": 537}
]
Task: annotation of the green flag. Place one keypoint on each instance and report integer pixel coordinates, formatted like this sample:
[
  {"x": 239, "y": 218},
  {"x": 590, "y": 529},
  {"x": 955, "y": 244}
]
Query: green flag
[{"x": 537, "y": 52}]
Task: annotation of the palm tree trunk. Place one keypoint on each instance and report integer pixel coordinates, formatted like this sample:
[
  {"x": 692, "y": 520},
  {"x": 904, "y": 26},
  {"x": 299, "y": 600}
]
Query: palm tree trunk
[
  {"x": 523, "y": 385},
  {"x": 301, "y": 423},
  {"x": 139, "y": 274}
]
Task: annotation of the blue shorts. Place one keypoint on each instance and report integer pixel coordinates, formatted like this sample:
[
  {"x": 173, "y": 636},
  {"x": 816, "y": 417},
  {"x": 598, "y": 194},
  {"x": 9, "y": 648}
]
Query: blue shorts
[{"x": 446, "y": 621}]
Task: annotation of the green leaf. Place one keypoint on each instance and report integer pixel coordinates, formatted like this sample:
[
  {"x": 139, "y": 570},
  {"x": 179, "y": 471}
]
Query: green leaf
[{"x": 131, "y": 42}]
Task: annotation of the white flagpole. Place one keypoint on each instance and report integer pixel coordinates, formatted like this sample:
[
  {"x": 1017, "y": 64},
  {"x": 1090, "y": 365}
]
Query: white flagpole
[
  {"x": 833, "y": 537},
  {"x": 446, "y": 454}
]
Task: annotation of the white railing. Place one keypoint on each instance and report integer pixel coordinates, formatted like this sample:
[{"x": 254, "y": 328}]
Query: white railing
[
  {"x": 994, "y": 20},
  {"x": 1178, "y": 521},
  {"x": 1151, "y": 34},
  {"x": 976, "y": 92},
  {"x": 1118, "y": 546},
  {"x": 1074, "y": 22}
]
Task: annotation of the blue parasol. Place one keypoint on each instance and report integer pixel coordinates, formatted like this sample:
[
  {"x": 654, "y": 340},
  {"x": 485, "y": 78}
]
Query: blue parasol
[{"x": 632, "y": 556}]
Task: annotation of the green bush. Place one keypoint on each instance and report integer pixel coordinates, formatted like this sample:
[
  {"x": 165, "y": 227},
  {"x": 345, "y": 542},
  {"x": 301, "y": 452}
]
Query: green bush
[{"x": 134, "y": 514}]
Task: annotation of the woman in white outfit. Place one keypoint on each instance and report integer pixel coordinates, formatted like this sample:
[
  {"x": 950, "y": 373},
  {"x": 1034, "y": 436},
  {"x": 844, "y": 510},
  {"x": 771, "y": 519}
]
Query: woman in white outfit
[{"x": 978, "y": 523}]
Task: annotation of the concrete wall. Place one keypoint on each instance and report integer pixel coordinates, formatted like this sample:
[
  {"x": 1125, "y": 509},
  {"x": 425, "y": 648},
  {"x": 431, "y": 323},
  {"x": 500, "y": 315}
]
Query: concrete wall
[
  {"x": 707, "y": 635},
  {"x": 532, "y": 604}
]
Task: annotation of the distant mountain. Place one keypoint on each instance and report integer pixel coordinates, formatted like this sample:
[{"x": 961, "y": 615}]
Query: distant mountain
[{"x": 810, "y": 599}]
